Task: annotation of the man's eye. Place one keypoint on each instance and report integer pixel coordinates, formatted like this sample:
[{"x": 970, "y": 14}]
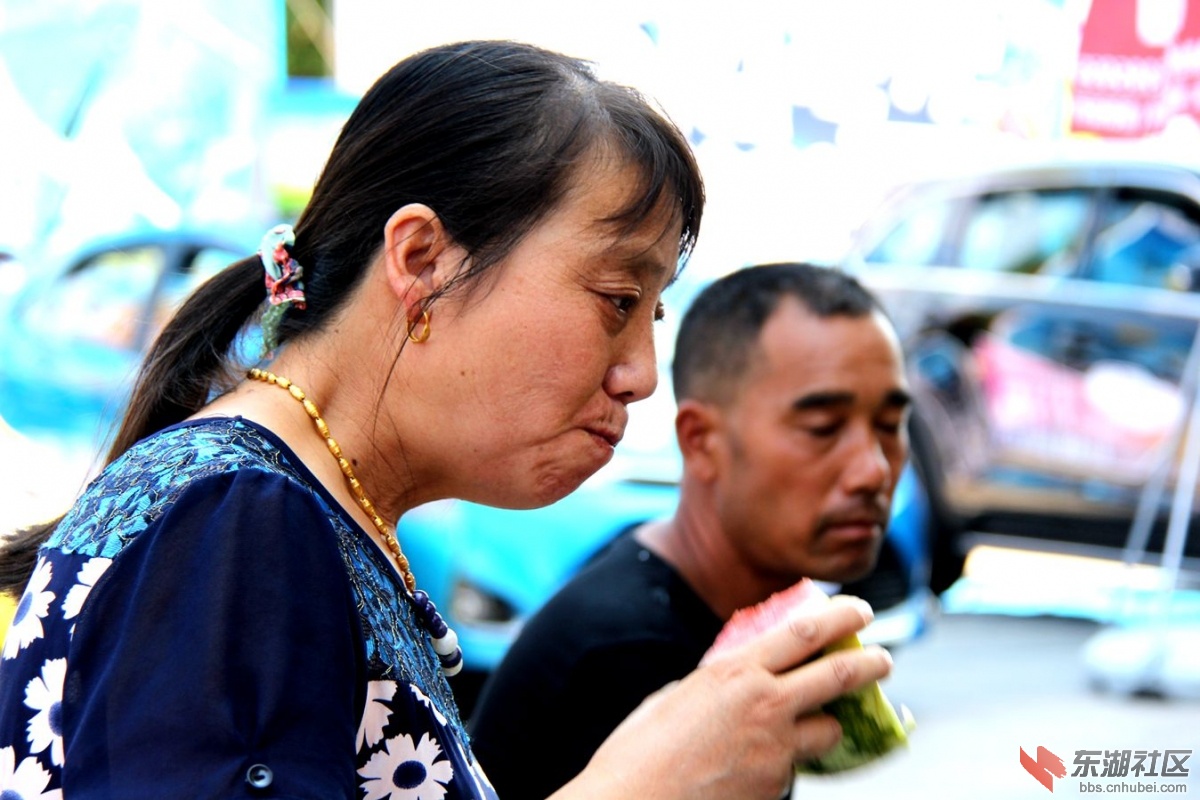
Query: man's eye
[
  {"x": 660, "y": 312},
  {"x": 824, "y": 430}
]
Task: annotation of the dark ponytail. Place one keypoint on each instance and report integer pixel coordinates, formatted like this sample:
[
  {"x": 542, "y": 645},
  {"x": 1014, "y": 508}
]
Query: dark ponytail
[{"x": 488, "y": 134}]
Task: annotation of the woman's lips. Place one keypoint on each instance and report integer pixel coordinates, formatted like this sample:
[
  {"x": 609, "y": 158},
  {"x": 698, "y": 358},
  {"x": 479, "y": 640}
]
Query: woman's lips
[
  {"x": 606, "y": 435},
  {"x": 609, "y": 438}
]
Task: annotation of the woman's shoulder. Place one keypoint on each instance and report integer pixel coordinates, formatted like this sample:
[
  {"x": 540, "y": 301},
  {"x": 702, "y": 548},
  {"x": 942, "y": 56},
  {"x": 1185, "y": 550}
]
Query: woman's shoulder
[
  {"x": 193, "y": 457},
  {"x": 165, "y": 462},
  {"x": 205, "y": 444}
]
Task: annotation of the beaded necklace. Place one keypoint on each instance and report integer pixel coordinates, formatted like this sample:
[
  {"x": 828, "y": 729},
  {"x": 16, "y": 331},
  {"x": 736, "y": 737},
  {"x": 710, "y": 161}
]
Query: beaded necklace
[{"x": 445, "y": 641}]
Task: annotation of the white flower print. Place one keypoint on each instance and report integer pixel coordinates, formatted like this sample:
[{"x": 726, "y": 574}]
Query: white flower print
[
  {"x": 424, "y": 699},
  {"x": 375, "y": 716},
  {"x": 44, "y": 695},
  {"x": 401, "y": 771},
  {"x": 27, "y": 781},
  {"x": 89, "y": 573},
  {"x": 32, "y": 608}
]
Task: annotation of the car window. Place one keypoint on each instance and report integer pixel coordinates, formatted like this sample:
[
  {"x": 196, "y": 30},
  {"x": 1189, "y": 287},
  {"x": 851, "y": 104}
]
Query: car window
[
  {"x": 103, "y": 301},
  {"x": 1146, "y": 241},
  {"x": 1031, "y": 232},
  {"x": 918, "y": 238}
]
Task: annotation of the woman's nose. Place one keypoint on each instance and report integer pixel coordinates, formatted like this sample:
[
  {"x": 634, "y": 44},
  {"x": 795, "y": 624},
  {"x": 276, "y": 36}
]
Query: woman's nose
[{"x": 635, "y": 375}]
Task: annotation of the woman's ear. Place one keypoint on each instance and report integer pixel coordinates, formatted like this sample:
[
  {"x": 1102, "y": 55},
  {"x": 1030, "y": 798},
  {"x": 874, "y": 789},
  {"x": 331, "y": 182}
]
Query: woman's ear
[
  {"x": 417, "y": 256},
  {"x": 698, "y": 431}
]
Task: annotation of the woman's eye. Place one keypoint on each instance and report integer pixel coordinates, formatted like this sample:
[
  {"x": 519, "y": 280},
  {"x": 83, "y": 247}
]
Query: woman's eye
[
  {"x": 660, "y": 312},
  {"x": 623, "y": 303}
]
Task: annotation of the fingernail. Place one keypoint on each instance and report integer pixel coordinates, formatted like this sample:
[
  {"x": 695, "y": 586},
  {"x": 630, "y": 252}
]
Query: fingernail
[
  {"x": 865, "y": 609},
  {"x": 883, "y": 653}
]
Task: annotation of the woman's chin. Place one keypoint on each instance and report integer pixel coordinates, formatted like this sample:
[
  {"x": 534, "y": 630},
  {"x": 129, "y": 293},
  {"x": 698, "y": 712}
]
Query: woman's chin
[
  {"x": 538, "y": 485},
  {"x": 550, "y": 488}
]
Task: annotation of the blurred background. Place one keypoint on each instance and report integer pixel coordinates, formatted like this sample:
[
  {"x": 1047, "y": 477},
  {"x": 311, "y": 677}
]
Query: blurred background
[{"x": 1016, "y": 178}]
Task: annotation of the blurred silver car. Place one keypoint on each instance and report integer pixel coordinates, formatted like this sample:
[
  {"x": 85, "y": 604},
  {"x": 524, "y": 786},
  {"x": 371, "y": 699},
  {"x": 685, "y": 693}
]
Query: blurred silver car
[{"x": 1049, "y": 312}]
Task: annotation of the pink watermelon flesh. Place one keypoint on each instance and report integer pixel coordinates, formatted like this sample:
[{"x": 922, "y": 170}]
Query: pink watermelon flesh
[{"x": 749, "y": 623}]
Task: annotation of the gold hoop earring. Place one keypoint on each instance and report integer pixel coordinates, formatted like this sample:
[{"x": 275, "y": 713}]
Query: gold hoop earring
[{"x": 424, "y": 334}]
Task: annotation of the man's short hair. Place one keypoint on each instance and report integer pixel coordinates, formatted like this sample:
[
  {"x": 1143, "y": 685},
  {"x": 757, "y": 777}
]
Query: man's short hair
[{"x": 719, "y": 333}]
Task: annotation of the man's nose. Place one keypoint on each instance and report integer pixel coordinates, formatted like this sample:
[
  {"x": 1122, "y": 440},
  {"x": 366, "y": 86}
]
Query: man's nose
[{"x": 869, "y": 469}]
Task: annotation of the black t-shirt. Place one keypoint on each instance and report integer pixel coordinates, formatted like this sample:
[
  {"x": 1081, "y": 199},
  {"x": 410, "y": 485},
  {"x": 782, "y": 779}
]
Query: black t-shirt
[{"x": 624, "y": 627}]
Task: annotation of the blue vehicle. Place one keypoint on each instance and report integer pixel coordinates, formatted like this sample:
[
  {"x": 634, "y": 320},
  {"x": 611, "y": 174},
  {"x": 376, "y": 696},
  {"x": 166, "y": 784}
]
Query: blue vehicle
[{"x": 74, "y": 335}]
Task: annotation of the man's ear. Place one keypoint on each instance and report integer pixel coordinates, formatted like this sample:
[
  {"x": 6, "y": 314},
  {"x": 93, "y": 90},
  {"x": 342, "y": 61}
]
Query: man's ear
[
  {"x": 418, "y": 256},
  {"x": 698, "y": 431}
]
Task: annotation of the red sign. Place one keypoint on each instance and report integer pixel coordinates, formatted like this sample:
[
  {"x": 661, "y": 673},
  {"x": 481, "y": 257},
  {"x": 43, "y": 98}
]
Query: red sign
[{"x": 1138, "y": 68}]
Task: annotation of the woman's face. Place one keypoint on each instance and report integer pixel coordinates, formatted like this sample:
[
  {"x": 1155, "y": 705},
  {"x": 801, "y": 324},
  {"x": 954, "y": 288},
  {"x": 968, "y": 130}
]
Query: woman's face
[{"x": 527, "y": 377}]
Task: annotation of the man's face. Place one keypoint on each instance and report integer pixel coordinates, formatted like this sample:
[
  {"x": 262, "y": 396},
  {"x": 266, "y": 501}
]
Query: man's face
[{"x": 812, "y": 445}]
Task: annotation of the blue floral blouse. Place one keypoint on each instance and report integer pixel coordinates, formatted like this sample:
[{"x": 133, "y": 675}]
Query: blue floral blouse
[{"x": 208, "y": 622}]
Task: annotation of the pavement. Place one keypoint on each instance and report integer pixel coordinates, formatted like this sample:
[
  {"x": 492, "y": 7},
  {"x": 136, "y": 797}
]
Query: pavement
[{"x": 1148, "y": 640}]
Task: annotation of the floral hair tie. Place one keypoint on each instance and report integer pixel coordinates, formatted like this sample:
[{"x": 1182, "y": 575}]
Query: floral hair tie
[{"x": 284, "y": 280}]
